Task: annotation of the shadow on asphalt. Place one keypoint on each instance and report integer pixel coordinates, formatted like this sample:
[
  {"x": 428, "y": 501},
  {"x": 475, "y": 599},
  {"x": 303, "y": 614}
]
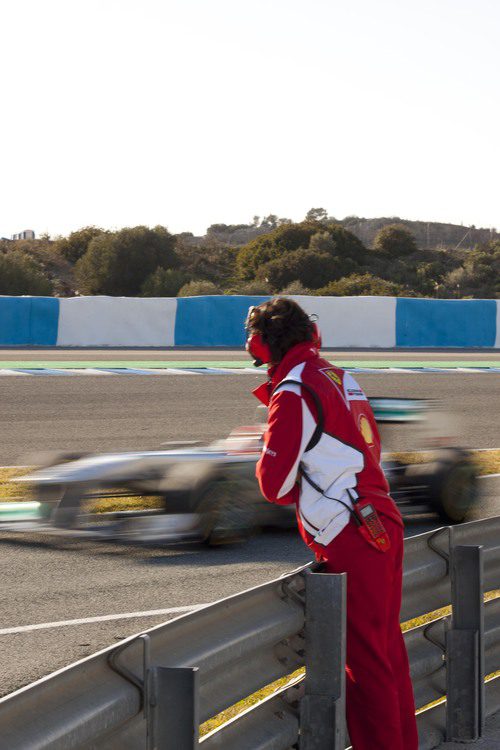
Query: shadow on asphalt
[{"x": 267, "y": 546}]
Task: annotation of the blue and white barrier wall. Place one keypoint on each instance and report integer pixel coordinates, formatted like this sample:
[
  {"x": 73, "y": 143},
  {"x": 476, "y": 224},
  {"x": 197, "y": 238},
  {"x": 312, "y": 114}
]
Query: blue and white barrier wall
[{"x": 379, "y": 322}]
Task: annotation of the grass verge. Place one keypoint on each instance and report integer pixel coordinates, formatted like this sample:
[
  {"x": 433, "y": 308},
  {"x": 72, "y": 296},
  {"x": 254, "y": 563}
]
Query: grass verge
[
  {"x": 487, "y": 462},
  {"x": 11, "y": 492}
]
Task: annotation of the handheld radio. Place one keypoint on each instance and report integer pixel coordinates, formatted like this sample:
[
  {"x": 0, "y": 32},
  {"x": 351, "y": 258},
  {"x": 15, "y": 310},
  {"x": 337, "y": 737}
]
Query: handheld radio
[{"x": 371, "y": 527}]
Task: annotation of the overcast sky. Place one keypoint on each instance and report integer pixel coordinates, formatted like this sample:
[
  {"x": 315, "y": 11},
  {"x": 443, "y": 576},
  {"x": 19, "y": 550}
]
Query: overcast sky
[{"x": 191, "y": 112}]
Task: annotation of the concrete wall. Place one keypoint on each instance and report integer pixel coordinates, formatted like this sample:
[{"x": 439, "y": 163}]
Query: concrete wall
[{"x": 378, "y": 322}]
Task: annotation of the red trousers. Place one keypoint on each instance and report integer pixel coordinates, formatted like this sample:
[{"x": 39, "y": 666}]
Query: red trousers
[{"x": 379, "y": 695}]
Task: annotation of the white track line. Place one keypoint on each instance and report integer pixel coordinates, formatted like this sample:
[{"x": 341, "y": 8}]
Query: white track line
[
  {"x": 101, "y": 618},
  {"x": 488, "y": 476},
  {"x": 85, "y": 371},
  {"x": 173, "y": 371}
]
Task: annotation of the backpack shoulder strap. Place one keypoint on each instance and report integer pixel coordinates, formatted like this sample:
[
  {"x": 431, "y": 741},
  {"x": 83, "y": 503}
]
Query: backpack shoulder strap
[{"x": 319, "y": 408}]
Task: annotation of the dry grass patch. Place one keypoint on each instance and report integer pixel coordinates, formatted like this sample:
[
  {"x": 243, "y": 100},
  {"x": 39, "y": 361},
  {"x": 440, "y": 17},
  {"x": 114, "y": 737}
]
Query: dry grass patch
[
  {"x": 10, "y": 492},
  {"x": 115, "y": 504},
  {"x": 243, "y": 705},
  {"x": 487, "y": 462}
]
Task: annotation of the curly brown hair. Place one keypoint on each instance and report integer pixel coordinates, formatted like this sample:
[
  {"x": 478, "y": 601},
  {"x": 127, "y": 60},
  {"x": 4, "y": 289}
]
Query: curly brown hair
[{"x": 282, "y": 323}]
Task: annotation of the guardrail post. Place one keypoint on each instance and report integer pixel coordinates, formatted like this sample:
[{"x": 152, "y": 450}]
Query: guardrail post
[
  {"x": 322, "y": 709},
  {"x": 172, "y": 708},
  {"x": 465, "y": 646}
]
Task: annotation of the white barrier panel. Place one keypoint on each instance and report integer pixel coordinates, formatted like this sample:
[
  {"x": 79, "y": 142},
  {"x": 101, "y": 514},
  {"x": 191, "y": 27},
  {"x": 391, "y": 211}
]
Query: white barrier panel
[
  {"x": 117, "y": 321},
  {"x": 354, "y": 321}
]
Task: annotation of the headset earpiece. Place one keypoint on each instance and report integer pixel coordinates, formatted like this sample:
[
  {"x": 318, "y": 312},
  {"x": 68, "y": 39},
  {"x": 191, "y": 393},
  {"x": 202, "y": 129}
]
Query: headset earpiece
[{"x": 316, "y": 337}]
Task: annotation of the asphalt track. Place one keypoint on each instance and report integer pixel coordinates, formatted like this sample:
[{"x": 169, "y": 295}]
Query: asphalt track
[
  {"x": 47, "y": 579},
  {"x": 114, "y": 413}
]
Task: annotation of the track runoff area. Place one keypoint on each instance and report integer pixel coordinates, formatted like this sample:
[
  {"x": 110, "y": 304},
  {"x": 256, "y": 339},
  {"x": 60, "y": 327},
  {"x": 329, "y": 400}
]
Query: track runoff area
[
  {"x": 68, "y": 598},
  {"x": 155, "y": 362}
]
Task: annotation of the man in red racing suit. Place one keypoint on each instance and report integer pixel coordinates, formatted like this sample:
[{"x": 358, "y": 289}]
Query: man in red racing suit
[{"x": 343, "y": 462}]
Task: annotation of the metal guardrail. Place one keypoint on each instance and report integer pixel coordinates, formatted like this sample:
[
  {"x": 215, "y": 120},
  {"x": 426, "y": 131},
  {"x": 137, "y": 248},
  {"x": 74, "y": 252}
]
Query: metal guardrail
[
  {"x": 228, "y": 650},
  {"x": 426, "y": 646},
  {"x": 238, "y": 644},
  {"x": 426, "y": 584},
  {"x": 432, "y": 721}
]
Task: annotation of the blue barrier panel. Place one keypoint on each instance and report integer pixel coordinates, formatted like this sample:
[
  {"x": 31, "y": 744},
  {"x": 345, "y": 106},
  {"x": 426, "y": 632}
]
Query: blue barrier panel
[
  {"x": 28, "y": 321},
  {"x": 44, "y": 321},
  {"x": 435, "y": 322},
  {"x": 212, "y": 321}
]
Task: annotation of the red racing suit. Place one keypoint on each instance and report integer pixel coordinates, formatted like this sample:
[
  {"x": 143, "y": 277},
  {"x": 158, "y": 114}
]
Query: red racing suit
[{"x": 343, "y": 459}]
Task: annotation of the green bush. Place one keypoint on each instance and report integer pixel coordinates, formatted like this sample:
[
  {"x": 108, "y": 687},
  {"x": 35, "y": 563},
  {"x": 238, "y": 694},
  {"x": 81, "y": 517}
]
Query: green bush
[
  {"x": 478, "y": 276},
  {"x": 339, "y": 242},
  {"x": 360, "y": 284},
  {"x": 48, "y": 260},
  {"x": 211, "y": 260},
  {"x": 310, "y": 268},
  {"x": 276, "y": 247},
  {"x": 19, "y": 274},
  {"x": 395, "y": 241},
  {"x": 282, "y": 240},
  {"x": 293, "y": 289},
  {"x": 198, "y": 289},
  {"x": 74, "y": 247},
  {"x": 119, "y": 263},
  {"x": 251, "y": 288},
  {"x": 164, "y": 282}
]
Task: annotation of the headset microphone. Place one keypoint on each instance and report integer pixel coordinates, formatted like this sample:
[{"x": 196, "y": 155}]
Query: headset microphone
[{"x": 258, "y": 349}]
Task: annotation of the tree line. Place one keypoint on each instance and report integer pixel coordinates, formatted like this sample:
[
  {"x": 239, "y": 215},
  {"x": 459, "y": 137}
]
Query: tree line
[{"x": 315, "y": 256}]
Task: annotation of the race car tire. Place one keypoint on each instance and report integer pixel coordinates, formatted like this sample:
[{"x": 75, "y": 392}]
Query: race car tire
[
  {"x": 452, "y": 481},
  {"x": 456, "y": 489},
  {"x": 225, "y": 516},
  {"x": 176, "y": 501}
]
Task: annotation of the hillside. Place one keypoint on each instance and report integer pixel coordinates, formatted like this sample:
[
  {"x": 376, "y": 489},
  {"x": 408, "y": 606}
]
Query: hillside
[
  {"x": 428, "y": 235},
  {"x": 320, "y": 255}
]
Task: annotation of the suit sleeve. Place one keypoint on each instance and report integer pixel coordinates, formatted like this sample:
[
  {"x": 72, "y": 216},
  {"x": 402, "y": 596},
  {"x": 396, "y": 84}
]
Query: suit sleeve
[{"x": 290, "y": 428}]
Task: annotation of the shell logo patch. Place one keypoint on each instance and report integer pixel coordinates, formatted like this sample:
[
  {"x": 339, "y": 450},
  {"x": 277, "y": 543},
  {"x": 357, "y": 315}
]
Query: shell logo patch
[
  {"x": 366, "y": 429},
  {"x": 331, "y": 375}
]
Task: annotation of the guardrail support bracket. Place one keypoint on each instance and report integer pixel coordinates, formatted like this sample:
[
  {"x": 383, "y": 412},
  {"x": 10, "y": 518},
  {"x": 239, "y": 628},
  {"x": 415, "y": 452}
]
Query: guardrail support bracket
[
  {"x": 465, "y": 647},
  {"x": 322, "y": 709},
  {"x": 172, "y": 713}
]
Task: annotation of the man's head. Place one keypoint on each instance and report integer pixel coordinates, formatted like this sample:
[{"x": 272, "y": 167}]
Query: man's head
[{"x": 275, "y": 326}]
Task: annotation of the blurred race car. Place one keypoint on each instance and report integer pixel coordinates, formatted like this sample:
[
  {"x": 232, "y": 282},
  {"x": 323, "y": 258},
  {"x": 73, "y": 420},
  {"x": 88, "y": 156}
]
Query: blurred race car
[{"x": 209, "y": 493}]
